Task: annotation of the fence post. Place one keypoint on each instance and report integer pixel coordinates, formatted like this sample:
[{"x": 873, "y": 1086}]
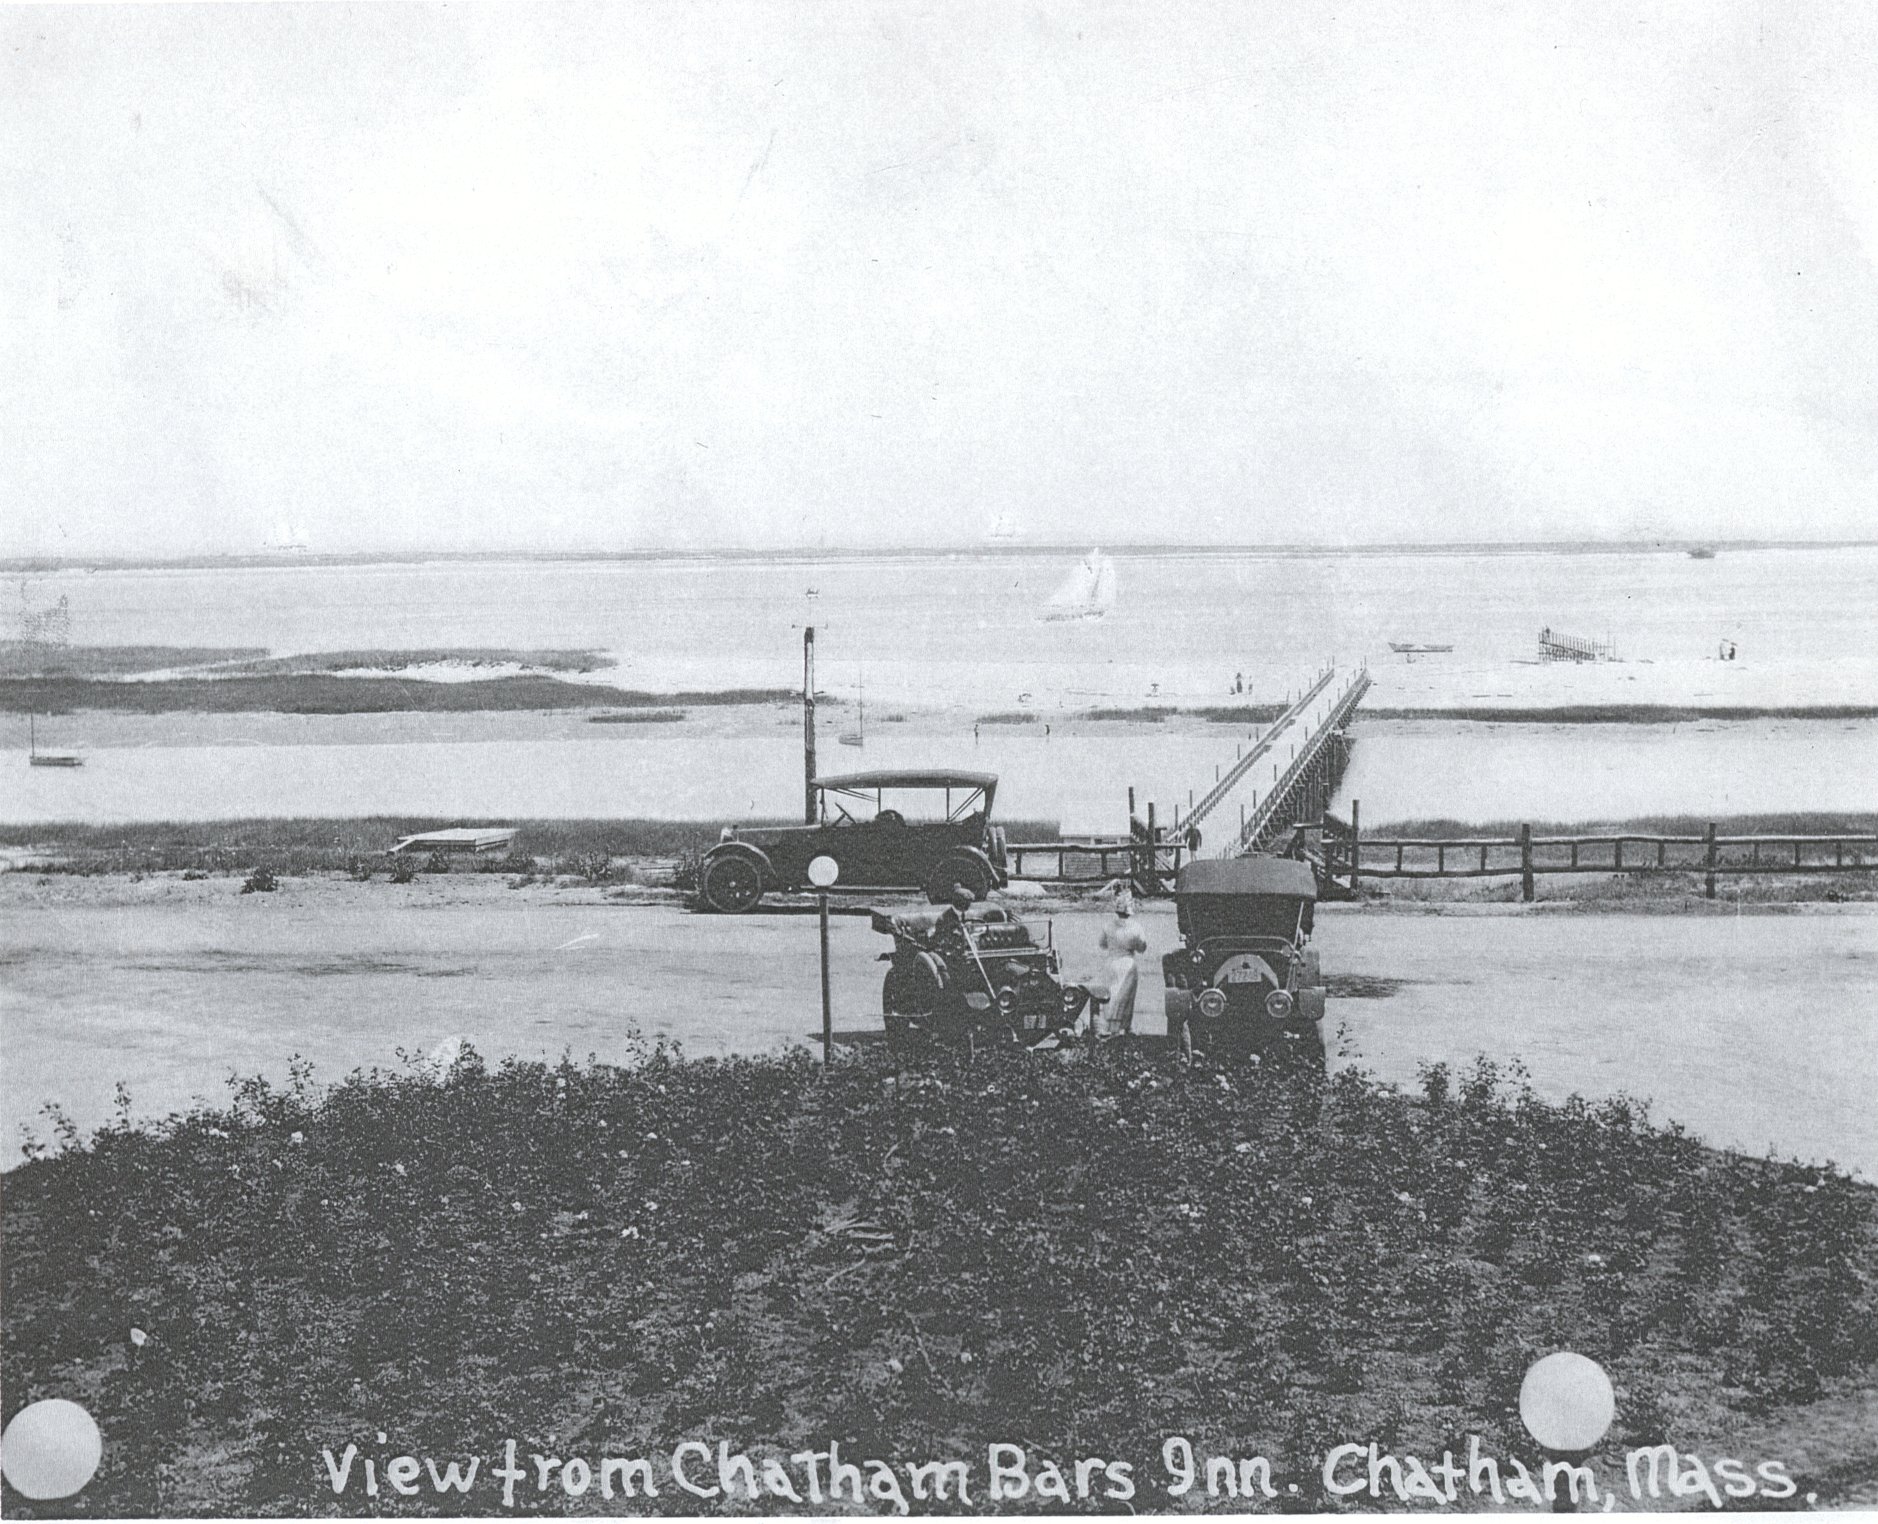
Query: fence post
[
  {"x": 1525, "y": 863},
  {"x": 1356, "y": 859},
  {"x": 1709, "y": 838}
]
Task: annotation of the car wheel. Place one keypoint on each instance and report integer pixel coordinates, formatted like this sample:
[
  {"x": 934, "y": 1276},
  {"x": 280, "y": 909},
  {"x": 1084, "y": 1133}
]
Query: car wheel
[
  {"x": 914, "y": 987},
  {"x": 732, "y": 885},
  {"x": 965, "y": 872}
]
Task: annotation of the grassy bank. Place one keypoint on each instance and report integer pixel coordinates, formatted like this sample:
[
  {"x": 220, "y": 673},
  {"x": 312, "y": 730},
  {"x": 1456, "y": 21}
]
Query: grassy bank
[
  {"x": 36, "y": 658},
  {"x": 302, "y": 845},
  {"x": 324, "y": 693},
  {"x": 1567, "y": 714},
  {"x": 1625, "y": 714},
  {"x": 1081, "y": 1258},
  {"x": 396, "y": 660}
]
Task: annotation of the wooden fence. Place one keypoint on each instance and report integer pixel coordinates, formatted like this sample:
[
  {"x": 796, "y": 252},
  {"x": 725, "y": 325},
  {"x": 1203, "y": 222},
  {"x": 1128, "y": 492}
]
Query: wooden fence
[{"x": 1350, "y": 856}]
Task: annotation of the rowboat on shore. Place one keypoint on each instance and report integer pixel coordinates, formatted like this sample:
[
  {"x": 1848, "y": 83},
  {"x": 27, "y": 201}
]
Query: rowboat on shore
[{"x": 37, "y": 758}]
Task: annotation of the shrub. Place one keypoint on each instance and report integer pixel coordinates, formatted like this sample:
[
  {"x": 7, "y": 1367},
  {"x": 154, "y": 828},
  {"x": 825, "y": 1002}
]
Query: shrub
[
  {"x": 1082, "y": 1256},
  {"x": 260, "y": 880}
]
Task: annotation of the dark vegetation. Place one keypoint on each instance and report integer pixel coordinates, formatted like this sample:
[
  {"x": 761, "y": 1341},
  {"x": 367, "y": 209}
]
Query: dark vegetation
[
  {"x": 1573, "y": 714},
  {"x": 1008, "y": 717},
  {"x": 394, "y": 660},
  {"x": 37, "y": 658},
  {"x": 1229, "y": 714},
  {"x": 302, "y": 845},
  {"x": 1083, "y": 1257},
  {"x": 638, "y": 717},
  {"x": 323, "y": 693},
  {"x": 1240, "y": 714},
  {"x": 1152, "y": 714},
  {"x": 1626, "y": 714}
]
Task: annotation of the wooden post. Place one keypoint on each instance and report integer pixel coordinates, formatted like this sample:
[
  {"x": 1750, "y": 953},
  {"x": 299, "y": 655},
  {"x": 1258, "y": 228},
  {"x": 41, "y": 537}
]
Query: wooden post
[
  {"x": 1152, "y": 881},
  {"x": 1525, "y": 863},
  {"x": 808, "y": 724},
  {"x": 1356, "y": 862},
  {"x": 828, "y": 1010},
  {"x": 1709, "y": 855}
]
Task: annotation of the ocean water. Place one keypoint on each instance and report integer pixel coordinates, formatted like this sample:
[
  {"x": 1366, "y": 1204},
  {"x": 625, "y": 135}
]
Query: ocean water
[
  {"x": 963, "y": 634},
  {"x": 1416, "y": 770},
  {"x": 966, "y": 629}
]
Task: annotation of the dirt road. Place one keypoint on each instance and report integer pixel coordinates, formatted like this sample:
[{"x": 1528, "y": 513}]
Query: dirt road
[{"x": 1753, "y": 1030}]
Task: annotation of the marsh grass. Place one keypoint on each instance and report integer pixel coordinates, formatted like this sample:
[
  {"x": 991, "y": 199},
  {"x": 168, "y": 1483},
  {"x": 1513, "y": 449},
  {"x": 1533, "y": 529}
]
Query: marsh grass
[
  {"x": 1081, "y": 1256},
  {"x": 325, "y": 693},
  {"x": 300, "y": 846}
]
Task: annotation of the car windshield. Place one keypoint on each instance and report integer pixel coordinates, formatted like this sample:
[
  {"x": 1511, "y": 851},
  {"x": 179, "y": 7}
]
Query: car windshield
[
  {"x": 1244, "y": 915},
  {"x": 918, "y": 806}
]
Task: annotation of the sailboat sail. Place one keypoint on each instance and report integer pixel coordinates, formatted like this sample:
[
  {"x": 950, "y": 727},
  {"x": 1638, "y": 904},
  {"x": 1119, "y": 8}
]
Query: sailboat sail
[{"x": 1088, "y": 592}]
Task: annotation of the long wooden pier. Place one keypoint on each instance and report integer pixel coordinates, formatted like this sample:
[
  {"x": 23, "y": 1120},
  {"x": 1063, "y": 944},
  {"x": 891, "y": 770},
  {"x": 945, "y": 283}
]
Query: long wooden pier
[{"x": 1283, "y": 778}]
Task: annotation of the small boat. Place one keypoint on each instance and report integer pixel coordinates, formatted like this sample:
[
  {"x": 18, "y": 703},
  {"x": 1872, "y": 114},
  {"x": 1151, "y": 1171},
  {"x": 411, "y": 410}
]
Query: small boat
[
  {"x": 1088, "y": 592},
  {"x": 1003, "y": 532},
  {"x": 1416, "y": 648},
  {"x": 37, "y": 758},
  {"x": 858, "y": 736}
]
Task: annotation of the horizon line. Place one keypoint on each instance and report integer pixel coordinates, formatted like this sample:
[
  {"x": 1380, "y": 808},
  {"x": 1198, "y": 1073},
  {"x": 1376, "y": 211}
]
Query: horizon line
[{"x": 264, "y": 558}]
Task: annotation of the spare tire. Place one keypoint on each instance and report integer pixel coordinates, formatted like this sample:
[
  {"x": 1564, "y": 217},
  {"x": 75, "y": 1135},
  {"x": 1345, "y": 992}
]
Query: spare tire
[
  {"x": 913, "y": 986},
  {"x": 962, "y": 872}
]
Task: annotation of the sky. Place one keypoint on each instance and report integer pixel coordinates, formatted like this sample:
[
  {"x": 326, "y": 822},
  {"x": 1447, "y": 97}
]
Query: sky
[{"x": 569, "y": 278}]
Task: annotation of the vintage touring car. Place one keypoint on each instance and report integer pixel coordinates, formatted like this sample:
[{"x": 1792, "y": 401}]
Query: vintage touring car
[
  {"x": 1244, "y": 982},
  {"x": 973, "y": 974},
  {"x": 909, "y": 829}
]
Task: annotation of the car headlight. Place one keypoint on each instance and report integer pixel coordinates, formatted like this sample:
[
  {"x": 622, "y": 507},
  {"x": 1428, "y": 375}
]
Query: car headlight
[
  {"x": 729, "y": 833},
  {"x": 1212, "y": 1004},
  {"x": 1007, "y": 1000},
  {"x": 978, "y": 1000},
  {"x": 1278, "y": 1004}
]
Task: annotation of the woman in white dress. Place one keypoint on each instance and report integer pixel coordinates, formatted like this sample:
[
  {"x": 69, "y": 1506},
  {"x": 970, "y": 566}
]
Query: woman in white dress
[{"x": 1122, "y": 943}]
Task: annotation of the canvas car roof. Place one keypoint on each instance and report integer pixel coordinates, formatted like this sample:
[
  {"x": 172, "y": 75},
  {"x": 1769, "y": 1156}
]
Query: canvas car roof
[
  {"x": 908, "y": 778},
  {"x": 1248, "y": 875}
]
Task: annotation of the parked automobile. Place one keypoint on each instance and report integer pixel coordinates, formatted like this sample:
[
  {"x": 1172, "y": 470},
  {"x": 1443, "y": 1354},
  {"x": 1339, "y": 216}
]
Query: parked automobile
[
  {"x": 1244, "y": 982},
  {"x": 927, "y": 830},
  {"x": 973, "y": 975}
]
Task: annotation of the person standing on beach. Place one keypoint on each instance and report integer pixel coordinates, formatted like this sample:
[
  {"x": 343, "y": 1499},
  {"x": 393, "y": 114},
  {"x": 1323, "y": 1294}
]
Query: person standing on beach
[{"x": 1123, "y": 942}]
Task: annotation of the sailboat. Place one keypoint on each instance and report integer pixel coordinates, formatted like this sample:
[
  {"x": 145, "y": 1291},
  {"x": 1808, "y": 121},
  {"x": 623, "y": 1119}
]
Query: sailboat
[
  {"x": 1088, "y": 592},
  {"x": 37, "y": 758},
  {"x": 1003, "y": 532}
]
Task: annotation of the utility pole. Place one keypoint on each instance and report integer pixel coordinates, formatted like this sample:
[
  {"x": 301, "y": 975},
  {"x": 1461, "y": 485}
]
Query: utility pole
[{"x": 808, "y": 724}]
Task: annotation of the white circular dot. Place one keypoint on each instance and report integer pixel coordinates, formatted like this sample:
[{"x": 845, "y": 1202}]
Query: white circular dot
[
  {"x": 1566, "y": 1401},
  {"x": 50, "y": 1449}
]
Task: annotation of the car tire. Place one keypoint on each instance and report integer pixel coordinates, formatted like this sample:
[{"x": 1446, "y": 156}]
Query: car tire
[
  {"x": 914, "y": 988},
  {"x": 731, "y": 885},
  {"x": 965, "y": 872}
]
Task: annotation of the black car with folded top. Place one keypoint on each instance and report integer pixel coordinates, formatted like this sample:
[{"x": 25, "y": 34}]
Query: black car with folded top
[
  {"x": 925, "y": 829},
  {"x": 1244, "y": 982}
]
